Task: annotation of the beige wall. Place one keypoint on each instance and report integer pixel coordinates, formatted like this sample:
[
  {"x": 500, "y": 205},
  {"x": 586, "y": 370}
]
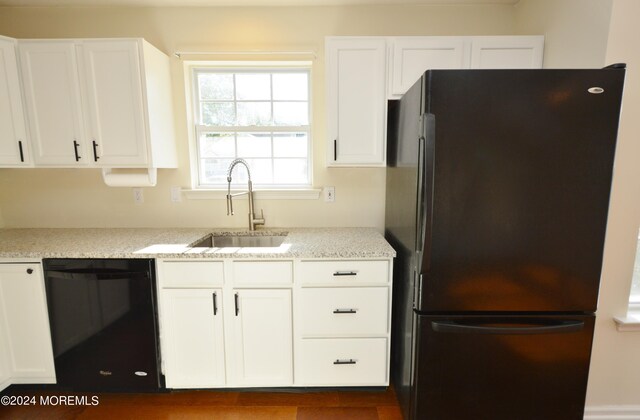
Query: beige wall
[
  {"x": 575, "y": 30},
  {"x": 61, "y": 198},
  {"x": 615, "y": 370}
]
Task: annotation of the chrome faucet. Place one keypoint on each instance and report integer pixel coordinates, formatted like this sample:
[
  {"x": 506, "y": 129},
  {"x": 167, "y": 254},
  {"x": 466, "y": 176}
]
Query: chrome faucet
[{"x": 253, "y": 221}]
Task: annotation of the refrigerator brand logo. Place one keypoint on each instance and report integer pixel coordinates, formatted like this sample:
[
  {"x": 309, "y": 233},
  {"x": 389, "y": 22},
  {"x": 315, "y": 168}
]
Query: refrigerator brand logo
[{"x": 595, "y": 90}]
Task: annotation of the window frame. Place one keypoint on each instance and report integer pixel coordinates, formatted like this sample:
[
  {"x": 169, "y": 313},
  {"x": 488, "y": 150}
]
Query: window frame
[{"x": 196, "y": 129}]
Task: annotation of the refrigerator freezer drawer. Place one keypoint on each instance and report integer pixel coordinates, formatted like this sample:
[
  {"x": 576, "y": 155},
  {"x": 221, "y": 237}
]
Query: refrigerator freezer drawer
[
  {"x": 348, "y": 311},
  {"x": 343, "y": 273},
  {"x": 343, "y": 362},
  {"x": 488, "y": 367}
]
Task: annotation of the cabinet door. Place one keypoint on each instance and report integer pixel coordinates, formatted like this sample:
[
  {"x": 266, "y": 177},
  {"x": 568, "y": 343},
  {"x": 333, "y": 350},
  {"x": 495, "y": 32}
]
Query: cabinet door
[
  {"x": 23, "y": 311},
  {"x": 114, "y": 112},
  {"x": 52, "y": 95},
  {"x": 263, "y": 337},
  {"x": 507, "y": 52},
  {"x": 5, "y": 375},
  {"x": 356, "y": 101},
  {"x": 193, "y": 340},
  {"x": 412, "y": 56},
  {"x": 13, "y": 130}
]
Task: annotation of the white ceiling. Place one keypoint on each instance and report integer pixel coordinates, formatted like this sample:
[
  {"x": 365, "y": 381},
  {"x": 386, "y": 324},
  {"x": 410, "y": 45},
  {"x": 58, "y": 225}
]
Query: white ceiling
[{"x": 237, "y": 2}]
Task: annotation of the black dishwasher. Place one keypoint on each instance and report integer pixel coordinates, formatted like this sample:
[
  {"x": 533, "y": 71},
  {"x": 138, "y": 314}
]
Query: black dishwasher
[{"x": 102, "y": 314}]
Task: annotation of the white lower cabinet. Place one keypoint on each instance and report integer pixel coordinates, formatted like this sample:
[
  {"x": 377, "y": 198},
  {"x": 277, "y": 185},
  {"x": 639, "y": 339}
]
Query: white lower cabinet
[
  {"x": 24, "y": 323},
  {"x": 263, "y": 337},
  {"x": 194, "y": 338},
  {"x": 226, "y": 323},
  {"x": 5, "y": 376},
  {"x": 215, "y": 334},
  {"x": 343, "y": 319},
  {"x": 343, "y": 362}
]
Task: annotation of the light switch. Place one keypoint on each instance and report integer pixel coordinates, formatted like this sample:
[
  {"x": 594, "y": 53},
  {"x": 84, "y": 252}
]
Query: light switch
[{"x": 329, "y": 194}]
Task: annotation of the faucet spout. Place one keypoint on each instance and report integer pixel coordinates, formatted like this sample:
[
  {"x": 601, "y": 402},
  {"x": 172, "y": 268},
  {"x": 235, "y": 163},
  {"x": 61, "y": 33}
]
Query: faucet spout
[{"x": 253, "y": 221}]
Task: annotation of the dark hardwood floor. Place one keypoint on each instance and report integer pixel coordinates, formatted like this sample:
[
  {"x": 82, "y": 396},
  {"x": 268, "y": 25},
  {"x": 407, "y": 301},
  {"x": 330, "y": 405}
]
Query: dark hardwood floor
[{"x": 188, "y": 405}]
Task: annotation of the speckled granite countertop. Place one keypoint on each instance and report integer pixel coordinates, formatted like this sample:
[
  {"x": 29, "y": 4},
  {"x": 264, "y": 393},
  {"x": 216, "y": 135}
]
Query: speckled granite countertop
[{"x": 175, "y": 243}]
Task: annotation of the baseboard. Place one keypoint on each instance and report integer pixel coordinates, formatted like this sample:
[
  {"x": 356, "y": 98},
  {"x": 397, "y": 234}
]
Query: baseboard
[{"x": 612, "y": 412}]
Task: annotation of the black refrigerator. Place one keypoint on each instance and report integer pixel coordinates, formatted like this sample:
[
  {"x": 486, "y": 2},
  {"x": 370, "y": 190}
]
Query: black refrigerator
[{"x": 497, "y": 195}]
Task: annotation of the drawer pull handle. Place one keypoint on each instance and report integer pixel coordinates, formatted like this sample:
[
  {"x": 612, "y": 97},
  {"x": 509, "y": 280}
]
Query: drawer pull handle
[
  {"x": 345, "y": 273},
  {"x": 344, "y": 362},
  {"x": 236, "y": 297},
  {"x": 345, "y": 311},
  {"x": 215, "y": 303}
]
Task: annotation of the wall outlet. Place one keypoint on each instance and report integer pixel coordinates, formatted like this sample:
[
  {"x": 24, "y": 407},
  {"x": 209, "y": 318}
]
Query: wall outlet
[
  {"x": 176, "y": 194},
  {"x": 329, "y": 194},
  {"x": 138, "y": 197}
]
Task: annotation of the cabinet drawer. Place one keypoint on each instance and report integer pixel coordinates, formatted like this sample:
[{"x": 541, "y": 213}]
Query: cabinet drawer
[
  {"x": 344, "y": 272},
  {"x": 344, "y": 311},
  {"x": 191, "y": 274},
  {"x": 346, "y": 361},
  {"x": 262, "y": 272}
]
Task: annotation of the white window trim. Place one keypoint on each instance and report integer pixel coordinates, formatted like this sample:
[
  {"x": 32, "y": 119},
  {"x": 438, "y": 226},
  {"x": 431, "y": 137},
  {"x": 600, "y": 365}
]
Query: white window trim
[
  {"x": 260, "y": 192},
  {"x": 263, "y": 194},
  {"x": 631, "y": 321}
]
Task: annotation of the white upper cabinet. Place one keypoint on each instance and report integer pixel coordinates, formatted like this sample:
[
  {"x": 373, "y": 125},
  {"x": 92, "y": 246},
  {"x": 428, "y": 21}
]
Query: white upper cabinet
[
  {"x": 412, "y": 56},
  {"x": 14, "y": 150},
  {"x": 356, "y": 101},
  {"x": 358, "y": 89},
  {"x": 98, "y": 103},
  {"x": 115, "y": 110},
  {"x": 507, "y": 52},
  {"x": 52, "y": 93}
]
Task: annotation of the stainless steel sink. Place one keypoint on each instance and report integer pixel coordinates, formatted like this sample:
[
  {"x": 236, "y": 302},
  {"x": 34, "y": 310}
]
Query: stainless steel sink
[{"x": 236, "y": 241}]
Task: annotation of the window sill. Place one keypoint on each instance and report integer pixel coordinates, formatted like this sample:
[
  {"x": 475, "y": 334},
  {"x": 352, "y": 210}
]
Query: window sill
[
  {"x": 284, "y": 194},
  {"x": 631, "y": 322}
]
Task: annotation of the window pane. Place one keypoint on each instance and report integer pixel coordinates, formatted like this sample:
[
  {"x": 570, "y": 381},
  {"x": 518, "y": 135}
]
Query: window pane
[
  {"x": 261, "y": 172},
  {"x": 264, "y": 99},
  {"x": 254, "y": 113},
  {"x": 290, "y": 86},
  {"x": 253, "y": 86},
  {"x": 290, "y": 171},
  {"x": 218, "y": 113},
  {"x": 254, "y": 145},
  {"x": 215, "y": 85},
  {"x": 214, "y": 171},
  {"x": 290, "y": 145},
  {"x": 217, "y": 145},
  {"x": 291, "y": 113}
]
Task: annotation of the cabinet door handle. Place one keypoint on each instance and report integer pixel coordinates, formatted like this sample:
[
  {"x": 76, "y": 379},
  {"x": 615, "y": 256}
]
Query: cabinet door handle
[
  {"x": 345, "y": 311},
  {"x": 215, "y": 303},
  {"x": 237, "y": 306},
  {"x": 345, "y": 362},
  {"x": 21, "y": 151},
  {"x": 29, "y": 270},
  {"x": 345, "y": 273},
  {"x": 75, "y": 150},
  {"x": 335, "y": 150},
  {"x": 95, "y": 151}
]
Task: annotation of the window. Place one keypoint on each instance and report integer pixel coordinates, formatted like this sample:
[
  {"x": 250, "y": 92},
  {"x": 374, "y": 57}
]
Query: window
[{"x": 258, "y": 114}]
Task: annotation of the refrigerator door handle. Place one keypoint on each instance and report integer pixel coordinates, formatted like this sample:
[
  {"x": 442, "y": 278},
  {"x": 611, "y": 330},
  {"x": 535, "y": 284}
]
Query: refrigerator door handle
[
  {"x": 510, "y": 328},
  {"x": 426, "y": 141},
  {"x": 420, "y": 201}
]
